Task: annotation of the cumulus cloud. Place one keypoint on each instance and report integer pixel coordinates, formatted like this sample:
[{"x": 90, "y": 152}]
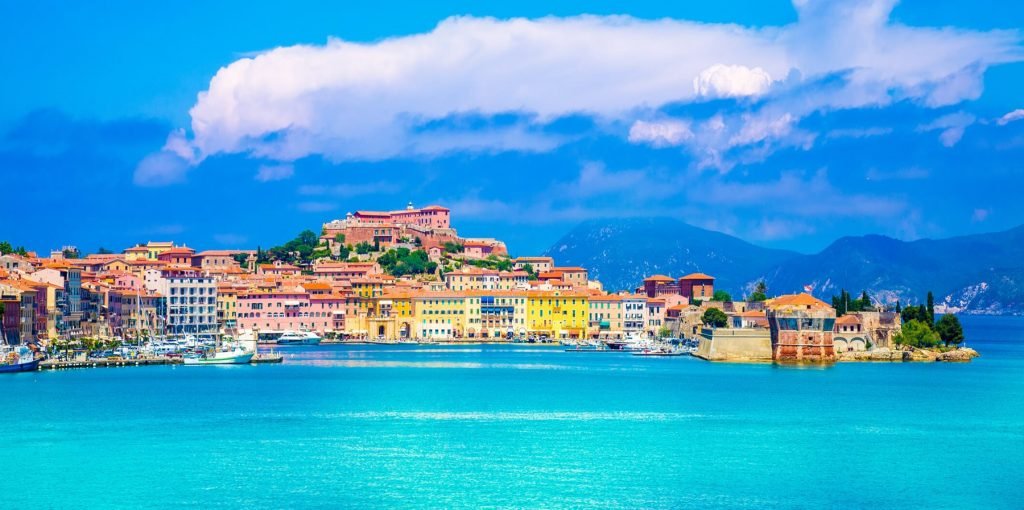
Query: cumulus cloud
[
  {"x": 403, "y": 96},
  {"x": 731, "y": 81},
  {"x": 267, "y": 173},
  {"x": 1011, "y": 117}
]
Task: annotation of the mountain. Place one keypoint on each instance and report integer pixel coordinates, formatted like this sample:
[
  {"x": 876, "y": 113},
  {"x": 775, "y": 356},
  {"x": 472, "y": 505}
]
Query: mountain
[
  {"x": 982, "y": 273},
  {"x": 622, "y": 252}
]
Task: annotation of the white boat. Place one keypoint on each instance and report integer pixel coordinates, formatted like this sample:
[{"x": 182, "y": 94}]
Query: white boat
[
  {"x": 298, "y": 338},
  {"x": 233, "y": 356}
]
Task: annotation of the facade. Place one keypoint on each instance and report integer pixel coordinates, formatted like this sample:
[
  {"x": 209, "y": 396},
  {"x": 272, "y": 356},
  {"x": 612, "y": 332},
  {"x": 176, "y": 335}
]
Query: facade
[
  {"x": 606, "y": 317},
  {"x": 697, "y": 286},
  {"x": 539, "y": 264},
  {"x": 191, "y": 299},
  {"x": 634, "y": 314},
  {"x": 440, "y": 315},
  {"x": 802, "y": 328},
  {"x": 557, "y": 314}
]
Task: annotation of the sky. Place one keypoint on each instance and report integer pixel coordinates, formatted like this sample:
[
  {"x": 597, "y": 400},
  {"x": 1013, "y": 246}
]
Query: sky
[{"x": 239, "y": 124}]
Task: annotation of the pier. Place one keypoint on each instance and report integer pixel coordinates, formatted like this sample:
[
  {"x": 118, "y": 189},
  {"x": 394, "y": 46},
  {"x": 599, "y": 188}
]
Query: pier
[{"x": 51, "y": 364}]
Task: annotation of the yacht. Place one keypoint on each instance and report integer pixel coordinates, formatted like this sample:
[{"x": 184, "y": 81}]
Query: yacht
[
  {"x": 231, "y": 356},
  {"x": 298, "y": 338}
]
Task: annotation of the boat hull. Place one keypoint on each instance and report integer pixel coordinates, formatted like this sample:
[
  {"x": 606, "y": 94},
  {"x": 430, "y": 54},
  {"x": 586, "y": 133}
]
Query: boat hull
[
  {"x": 239, "y": 359},
  {"x": 31, "y": 366},
  {"x": 304, "y": 341}
]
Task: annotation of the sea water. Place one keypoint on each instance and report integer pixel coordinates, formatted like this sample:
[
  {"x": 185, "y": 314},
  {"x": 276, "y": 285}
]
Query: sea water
[{"x": 521, "y": 427}]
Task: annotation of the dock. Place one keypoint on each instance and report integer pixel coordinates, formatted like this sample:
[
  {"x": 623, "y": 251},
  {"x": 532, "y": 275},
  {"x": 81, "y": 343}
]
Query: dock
[
  {"x": 267, "y": 357},
  {"x": 52, "y": 364}
]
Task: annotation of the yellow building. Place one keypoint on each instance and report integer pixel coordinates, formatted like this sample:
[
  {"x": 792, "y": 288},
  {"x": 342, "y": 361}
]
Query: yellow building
[
  {"x": 496, "y": 314},
  {"x": 439, "y": 315},
  {"x": 390, "y": 316},
  {"x": 227, "y": 306},
  {"x": 155, "y": 248},
  {"x": 557, "y": 314}
]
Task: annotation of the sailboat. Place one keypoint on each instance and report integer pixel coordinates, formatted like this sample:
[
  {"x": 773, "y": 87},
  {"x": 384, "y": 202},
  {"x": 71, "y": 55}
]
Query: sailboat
[{"x": 16, "y": 358}]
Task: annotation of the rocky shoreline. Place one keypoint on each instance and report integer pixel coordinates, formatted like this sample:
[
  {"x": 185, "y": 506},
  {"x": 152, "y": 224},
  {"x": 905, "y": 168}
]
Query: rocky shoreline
[{"x": 963, "y": 354}]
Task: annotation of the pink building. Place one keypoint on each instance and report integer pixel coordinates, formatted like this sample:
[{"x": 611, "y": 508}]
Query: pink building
[
  {"x": 697, "y": 286},
  {"x": 433, "y": 216},
  {"x": 290, "y": 309}
]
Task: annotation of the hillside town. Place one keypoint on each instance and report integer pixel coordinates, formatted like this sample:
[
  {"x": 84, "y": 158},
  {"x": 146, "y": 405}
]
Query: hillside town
[{"x": 407, "y": 275}]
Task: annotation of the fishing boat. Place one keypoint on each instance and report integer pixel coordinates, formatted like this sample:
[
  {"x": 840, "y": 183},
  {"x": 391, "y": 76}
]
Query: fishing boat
[
  {"x": 298, "y": 338},
  {"x": 16, "y": 358}
]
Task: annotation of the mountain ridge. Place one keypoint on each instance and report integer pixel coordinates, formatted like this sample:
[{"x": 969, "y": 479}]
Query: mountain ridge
[{"x": 973, "y": 273}]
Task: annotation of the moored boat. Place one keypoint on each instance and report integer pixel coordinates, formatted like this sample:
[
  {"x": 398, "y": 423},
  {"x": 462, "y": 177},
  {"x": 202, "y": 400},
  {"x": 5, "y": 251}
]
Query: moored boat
[
  {"x": 298, "y": 338},
  {"x": 237, "y": 356},
  {"x": 18, "y": 360}
]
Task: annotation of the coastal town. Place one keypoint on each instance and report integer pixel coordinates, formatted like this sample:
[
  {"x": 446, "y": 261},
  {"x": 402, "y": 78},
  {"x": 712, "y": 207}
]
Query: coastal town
[{"x": 407, "y": 276}]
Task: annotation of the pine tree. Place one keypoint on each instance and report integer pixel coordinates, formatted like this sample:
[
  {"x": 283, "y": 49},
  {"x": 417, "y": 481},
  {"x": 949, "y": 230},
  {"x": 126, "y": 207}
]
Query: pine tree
[{"x": 931, "y": 308}]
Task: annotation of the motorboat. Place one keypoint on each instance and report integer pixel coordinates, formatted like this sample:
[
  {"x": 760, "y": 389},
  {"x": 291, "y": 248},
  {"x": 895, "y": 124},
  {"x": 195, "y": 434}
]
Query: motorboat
[{"x": 298, "y": 338}]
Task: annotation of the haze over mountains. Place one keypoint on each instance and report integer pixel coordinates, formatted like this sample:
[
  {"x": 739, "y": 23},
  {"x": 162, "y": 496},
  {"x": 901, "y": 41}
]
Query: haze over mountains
[{"x": 980, "y": 273}]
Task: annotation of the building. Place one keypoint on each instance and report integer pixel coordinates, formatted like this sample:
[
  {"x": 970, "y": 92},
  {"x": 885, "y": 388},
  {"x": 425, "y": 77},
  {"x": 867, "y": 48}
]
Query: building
[
  {"x": 557, "y": 314},
  {"x": 191, "y": 299},
  {"x": 802, "y": 328},
  {"x": 660, "y": 285},
  {"x": 605, "y": 317},
  {"x": 440, "y": 315},
  {"x": 496, "y": 314},
  {"x": 697, "y": 287},
  {"x": 539, "y": 264},
  {"x": 634, "y": 314}
]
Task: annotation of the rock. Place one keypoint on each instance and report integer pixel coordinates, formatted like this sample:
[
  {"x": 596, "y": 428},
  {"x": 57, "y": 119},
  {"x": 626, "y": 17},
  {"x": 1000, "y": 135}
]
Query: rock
[{"x": 958, "y": 355}]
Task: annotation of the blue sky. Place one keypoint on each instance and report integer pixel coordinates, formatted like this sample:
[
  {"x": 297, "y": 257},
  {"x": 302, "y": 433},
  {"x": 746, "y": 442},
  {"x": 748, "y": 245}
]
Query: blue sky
[{"x": 787, "y": 125}]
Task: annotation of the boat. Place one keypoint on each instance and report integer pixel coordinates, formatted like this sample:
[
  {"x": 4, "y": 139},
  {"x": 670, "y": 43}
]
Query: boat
[
  {"x": 233, "y": 356},
  {"x": 298, "y": 338},
  {"x": 18, "y": 359},
  {"x": 657, "y": 353}
]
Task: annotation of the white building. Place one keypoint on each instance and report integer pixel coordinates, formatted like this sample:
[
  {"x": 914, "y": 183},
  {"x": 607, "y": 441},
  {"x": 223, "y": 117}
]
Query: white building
[
  {"x": 191, "y": 299},
  {"x": 634, "y": 314}
]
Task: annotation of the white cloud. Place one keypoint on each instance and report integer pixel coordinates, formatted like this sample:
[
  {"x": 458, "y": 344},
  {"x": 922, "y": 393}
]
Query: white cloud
[
  {"x": 267, "y": 173},
  {"x": 397, "y": 97},
  {"x": 665, "y": 133},
  {"x": 952, "y": 127},
  {"x": 1011, "y": 117},
  {"x": 731, "y": 81}
]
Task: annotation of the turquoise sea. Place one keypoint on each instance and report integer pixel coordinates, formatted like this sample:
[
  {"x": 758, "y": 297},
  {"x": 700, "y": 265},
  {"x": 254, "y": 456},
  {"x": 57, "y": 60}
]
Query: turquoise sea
[{"x": 521, "y": 427}]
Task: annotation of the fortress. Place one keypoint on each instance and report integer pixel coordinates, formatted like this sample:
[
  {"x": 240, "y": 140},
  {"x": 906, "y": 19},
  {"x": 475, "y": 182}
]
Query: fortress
[{"x": 428, "y": 227}]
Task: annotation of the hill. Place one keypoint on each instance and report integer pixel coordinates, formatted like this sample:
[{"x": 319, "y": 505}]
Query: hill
[
  {"x": 982, "y": 273},
  {"x": 621, "y": 252}
]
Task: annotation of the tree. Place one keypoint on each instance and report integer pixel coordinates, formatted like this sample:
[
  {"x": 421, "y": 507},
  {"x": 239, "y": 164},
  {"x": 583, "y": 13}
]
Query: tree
[
  {"x": 931, "y": 308},
  {"x": 103, "y": 251},
  {"x": 899, "y": 309},
  {"x": 241, "y": 258},
  {"x": 71, "y": 253},
  {"x": 451, "y": 247},
  {"x": 340, "y": 239},
  {"x": 5, "y": 248},
  {"x": 864, "y": 304},
  {"x": 721, "y": 295},
  {"x": 950, "y": 330},
  {"x": 760, "y": 292},
  {"x": 715, "y": 318},
  {"x": 531, "y": 273},
  {"x": 916, "y": 333},
  {"x": 664, "y": 332},
  {"x": 363, "y": 248}
]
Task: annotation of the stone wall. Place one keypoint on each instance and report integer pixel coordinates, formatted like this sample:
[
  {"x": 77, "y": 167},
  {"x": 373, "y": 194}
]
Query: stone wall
[{"x": 727, "y": 344}]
